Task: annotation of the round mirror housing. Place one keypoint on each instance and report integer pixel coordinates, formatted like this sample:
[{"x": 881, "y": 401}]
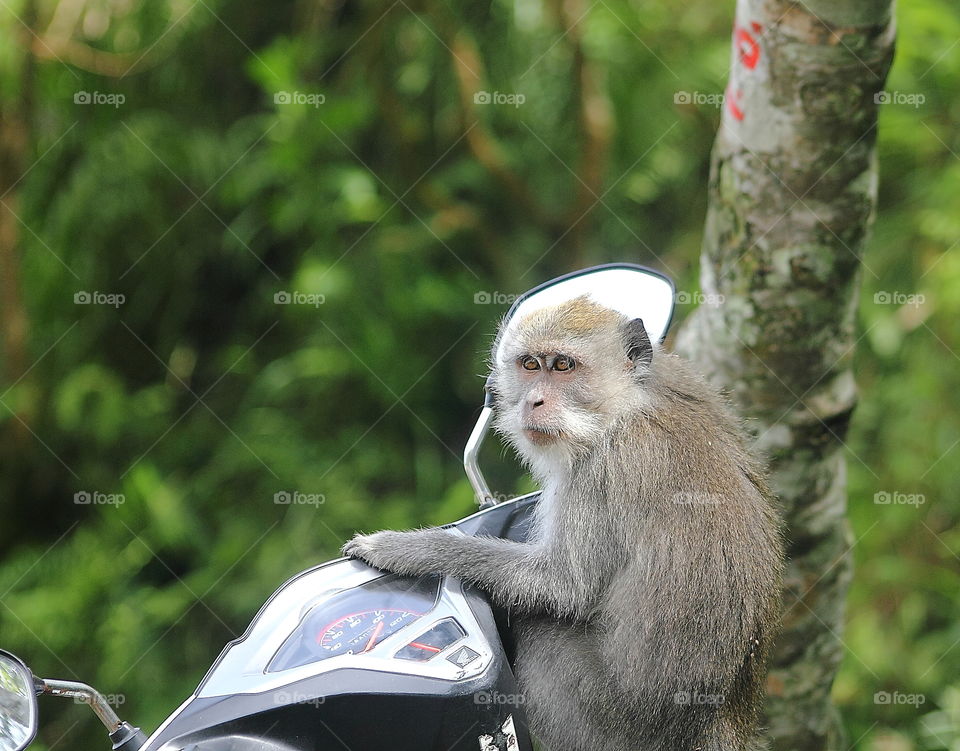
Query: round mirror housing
[
  {"x": 18, "y": 704},
  {"x": 628, "y": 288}
]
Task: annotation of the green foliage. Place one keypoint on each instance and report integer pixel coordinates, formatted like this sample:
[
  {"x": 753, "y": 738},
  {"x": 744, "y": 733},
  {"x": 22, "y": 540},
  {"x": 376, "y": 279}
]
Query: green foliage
[{"x": 196, "y": 399}]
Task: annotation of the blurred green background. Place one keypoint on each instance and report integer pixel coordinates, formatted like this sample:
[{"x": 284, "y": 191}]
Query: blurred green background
[{"x": 323, "y": 153}]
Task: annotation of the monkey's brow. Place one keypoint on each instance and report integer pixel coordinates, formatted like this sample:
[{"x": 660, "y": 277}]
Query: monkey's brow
[{"x": 548, "y": 355}]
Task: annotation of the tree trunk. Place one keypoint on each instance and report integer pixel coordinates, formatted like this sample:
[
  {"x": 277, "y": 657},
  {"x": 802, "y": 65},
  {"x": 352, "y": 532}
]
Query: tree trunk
[{"x": 791, "y": 198}]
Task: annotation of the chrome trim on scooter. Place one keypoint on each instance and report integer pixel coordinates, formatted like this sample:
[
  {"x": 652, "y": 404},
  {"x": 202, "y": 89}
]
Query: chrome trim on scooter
[
  {"x": 480, "y": 488},
  {"x": 85, "y": 694}
]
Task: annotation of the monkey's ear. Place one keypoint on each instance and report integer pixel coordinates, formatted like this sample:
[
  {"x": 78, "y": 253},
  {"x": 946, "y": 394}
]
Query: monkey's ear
[{"x": 639, "y": 348}]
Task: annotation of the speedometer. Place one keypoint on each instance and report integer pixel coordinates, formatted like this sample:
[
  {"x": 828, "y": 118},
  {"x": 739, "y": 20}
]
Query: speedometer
[
  {"x": 361, "y": 632},
  {"x": 355, "y": 621}
]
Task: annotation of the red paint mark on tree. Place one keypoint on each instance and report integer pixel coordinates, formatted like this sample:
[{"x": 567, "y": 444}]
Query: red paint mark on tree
[
  {"x": 748, "y": 51},
  {"x": 748, "y": 48},
  {"x": 731, "y": 100}
]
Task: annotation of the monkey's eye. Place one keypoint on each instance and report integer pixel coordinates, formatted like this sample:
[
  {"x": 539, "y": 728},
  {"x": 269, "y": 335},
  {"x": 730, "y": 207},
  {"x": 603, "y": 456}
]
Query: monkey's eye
[
  {"x": 564, "y": 363},
  {"x": 530, "y": 363}
]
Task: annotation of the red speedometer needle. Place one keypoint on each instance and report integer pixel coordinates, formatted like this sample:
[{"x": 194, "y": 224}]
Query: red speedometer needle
[{"x": 373, "y": 637}]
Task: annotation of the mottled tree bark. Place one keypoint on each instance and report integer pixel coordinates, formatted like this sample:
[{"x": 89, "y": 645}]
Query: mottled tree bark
[{"x": 792, "y": 195}]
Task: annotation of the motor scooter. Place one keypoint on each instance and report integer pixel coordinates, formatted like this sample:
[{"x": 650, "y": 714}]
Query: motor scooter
[{"x": 343, "y": 655}]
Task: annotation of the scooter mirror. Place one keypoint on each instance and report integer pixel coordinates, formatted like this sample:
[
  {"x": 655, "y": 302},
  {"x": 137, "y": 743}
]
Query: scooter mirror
[
  {"x": 627, "y": 288},
  {"x": 18, "y": 704}
]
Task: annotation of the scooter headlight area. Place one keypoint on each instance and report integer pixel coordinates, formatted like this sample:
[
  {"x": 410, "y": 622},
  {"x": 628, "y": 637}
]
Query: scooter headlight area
[{"x": 343, "y": 653}]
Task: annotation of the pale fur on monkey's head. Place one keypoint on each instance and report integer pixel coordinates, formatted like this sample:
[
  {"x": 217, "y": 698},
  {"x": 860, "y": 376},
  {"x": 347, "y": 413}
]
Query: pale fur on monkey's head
[{"x": 605, "y": 384}]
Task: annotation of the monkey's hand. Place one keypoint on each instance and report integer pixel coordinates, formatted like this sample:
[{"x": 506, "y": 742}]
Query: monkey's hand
[
  {"x": 515, "y": 574},
  {"x": 414, "y": 553}
]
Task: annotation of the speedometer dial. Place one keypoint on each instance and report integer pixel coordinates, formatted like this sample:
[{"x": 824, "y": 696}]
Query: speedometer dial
[
  {"x": 356, "y": 620},
  {"x": 361, "y": 632}
]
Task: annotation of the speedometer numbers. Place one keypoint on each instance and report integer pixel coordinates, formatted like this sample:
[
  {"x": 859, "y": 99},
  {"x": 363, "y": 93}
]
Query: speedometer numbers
[{"x": 360, "y": 632}]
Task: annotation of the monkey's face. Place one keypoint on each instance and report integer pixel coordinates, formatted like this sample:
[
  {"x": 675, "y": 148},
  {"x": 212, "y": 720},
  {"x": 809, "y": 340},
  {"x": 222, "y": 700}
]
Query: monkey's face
[
  {"x": 564, "y": 378},
  {"x": 552, "y": 396}
]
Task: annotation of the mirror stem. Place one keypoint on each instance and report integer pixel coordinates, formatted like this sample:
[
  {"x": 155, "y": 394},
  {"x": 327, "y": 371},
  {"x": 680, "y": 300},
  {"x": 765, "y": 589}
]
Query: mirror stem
[
  {"x": 85, "y": 694},
  {"x": 480, "y": 488}
]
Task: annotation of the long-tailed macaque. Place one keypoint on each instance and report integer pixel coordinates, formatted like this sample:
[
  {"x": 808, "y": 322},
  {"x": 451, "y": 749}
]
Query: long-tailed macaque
[{"x": 646, "y": 598}]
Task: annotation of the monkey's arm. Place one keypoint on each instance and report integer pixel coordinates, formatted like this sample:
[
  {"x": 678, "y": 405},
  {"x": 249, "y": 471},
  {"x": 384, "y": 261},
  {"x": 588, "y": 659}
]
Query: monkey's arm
[{"x": 517, "y": 575}]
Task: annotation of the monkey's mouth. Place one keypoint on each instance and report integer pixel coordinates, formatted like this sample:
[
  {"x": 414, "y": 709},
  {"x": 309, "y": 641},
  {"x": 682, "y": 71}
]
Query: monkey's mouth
[{"x": 541, "y": 435}]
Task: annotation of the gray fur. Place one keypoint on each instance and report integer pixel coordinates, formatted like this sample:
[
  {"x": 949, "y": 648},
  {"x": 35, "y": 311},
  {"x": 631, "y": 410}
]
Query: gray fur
[{"x": 646, "y": 600}]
